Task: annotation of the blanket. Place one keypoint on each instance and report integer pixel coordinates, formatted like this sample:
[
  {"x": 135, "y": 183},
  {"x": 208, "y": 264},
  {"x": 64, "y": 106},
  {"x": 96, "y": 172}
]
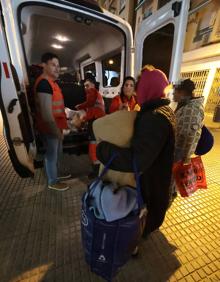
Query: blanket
[{"x": 116, "y": 128}]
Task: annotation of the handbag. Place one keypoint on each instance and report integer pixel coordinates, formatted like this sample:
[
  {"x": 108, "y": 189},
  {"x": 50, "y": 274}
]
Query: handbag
[
  {"x": 189, "y": 177},
  {"x": 108, "y": 241},
  {"x": 205, "y": 143}
]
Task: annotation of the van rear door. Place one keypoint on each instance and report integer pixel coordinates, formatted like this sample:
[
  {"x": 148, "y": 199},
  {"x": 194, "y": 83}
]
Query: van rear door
[
  {"x": 20, "y": 39},
  {"x": 11, "y": 100},
  {"x": 160, "y": 39}
]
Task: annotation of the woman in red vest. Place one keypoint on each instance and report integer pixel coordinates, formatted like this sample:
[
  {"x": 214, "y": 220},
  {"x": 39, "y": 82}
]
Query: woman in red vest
[{"x": 127, "y": 98}]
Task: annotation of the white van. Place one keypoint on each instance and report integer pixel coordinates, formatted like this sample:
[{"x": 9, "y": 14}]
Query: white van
[{"x": 87, "y": 39}]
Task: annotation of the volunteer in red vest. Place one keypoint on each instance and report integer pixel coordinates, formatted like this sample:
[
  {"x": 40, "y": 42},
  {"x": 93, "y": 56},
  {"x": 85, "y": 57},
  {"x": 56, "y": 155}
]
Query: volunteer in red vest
[
  {"x": 95, "y": 108},
  {"x": 127, "y": 98},
  {"x": 50, "y": 118}
]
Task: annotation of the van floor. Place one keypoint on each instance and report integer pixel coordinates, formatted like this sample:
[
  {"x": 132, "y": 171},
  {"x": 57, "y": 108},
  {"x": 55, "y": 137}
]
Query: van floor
[{"x": 40, "y": 230}]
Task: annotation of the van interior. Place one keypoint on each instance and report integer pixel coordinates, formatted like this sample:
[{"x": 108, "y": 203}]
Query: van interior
[
  {"x": 74, "y": 37},
  {"x": 84, "y": 44}
]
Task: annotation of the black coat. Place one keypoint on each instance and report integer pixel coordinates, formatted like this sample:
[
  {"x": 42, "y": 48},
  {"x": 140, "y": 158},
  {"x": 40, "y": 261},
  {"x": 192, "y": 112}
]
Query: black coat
[{"x": 153, "y": 147}]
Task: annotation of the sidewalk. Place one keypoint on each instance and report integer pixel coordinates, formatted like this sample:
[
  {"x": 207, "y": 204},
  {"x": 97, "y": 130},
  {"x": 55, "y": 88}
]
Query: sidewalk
[{"x": 40, "y": 231}]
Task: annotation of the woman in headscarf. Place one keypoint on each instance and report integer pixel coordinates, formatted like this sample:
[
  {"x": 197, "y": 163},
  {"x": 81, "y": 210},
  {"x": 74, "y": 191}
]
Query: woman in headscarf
[{"x": 152, "y": 146}]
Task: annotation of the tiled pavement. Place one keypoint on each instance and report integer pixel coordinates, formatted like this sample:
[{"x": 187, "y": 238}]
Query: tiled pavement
[{"x": 40, "y": 231}]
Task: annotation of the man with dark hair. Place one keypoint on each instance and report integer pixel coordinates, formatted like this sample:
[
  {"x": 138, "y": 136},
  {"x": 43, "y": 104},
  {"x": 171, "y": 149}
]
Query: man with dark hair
[
  {"x": 47, "y": 57},
  {"x": 50, "y": 117}
]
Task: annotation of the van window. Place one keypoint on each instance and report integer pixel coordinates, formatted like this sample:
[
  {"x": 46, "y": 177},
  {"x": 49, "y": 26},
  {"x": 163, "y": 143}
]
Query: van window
[
  {"x": 161, "y": 3},
  {"x": 90, "y": 68},
  {"x": 111, "y": 67},
  {"x": 157, "y": 48}
]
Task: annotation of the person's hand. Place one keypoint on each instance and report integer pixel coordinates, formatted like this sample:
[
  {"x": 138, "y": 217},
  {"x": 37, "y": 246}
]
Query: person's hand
[
  {"x": 124, "y": 106},
  {"x": 187, "y": 161},
  {"x": 76, "y": 121}
]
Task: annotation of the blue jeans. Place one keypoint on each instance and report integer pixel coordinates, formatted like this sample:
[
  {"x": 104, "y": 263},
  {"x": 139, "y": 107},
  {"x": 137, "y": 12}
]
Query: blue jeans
[{"x": 53, "y": 147}]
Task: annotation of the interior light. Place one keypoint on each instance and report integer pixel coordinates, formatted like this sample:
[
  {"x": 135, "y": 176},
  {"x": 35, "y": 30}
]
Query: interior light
[
  {"x": 78, "y": 19},
  {"x": 57, "y": 46},
  {"x": 111, "y": 62},
  {"x": 88, "y": 21},
  {"x": 62, "y": 38}
]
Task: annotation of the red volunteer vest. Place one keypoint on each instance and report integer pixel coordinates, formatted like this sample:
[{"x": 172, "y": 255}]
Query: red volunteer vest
[
  {"x": 57, "y": 107},
  {"x": 131, "y": 102}
]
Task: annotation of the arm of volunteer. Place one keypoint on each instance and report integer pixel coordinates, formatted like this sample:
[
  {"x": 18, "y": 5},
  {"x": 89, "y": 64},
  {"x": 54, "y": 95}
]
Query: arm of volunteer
[{"x": 91, "y": 96}]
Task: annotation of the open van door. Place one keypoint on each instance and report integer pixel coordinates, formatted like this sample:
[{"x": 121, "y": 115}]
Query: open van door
[
  {"x": 160, "y": 39},
  {"x": 17, "y": 128}
]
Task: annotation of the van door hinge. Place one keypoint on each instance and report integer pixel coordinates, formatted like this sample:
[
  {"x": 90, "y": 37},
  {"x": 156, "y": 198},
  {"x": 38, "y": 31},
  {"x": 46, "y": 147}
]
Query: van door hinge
[
  {"x": 2, "y": 17},
  {"x": 176, "y": 7},
  {"x": 17, "y": 141},
  {"x": 11, "y": 105}
]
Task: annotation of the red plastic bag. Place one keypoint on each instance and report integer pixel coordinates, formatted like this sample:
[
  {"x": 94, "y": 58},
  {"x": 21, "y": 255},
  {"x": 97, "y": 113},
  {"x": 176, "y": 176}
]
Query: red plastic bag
[
  {"x": 199, "y": 170},
  {"x": 189, "y": 177}
]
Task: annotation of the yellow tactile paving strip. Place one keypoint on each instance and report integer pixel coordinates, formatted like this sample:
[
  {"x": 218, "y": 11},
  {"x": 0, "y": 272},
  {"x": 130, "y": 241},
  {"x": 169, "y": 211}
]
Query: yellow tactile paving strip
[{"x": 40, "y": 231}]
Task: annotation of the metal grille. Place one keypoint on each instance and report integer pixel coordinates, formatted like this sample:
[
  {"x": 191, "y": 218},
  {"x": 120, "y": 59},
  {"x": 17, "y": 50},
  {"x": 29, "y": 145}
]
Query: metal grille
[
  {"x": 214, "y": 94},
  {"x": 199, "y": 78}
]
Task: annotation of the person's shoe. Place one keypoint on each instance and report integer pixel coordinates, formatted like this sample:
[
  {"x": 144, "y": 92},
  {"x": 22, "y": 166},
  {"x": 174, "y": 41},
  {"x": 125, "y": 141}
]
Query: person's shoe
[
  {"x": 174, "y": 195},
  {"x": 135, "y": 252},
  {"x": 64, "y": 177},
  {"x": 95, "y": 171},
  {"x": 59, "y": 186},
  {"x": 172, "y": 198}
]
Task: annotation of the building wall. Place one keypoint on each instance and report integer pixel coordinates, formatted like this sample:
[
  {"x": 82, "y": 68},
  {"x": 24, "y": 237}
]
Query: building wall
[
  {"x": 122, "y": 8},
  {"x": 203, "y": 29}
]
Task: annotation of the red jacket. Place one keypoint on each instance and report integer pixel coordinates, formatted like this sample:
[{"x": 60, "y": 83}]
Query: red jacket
[
  {"x": 94, "y": 105},
  {"x": 115, "y": 104}
]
